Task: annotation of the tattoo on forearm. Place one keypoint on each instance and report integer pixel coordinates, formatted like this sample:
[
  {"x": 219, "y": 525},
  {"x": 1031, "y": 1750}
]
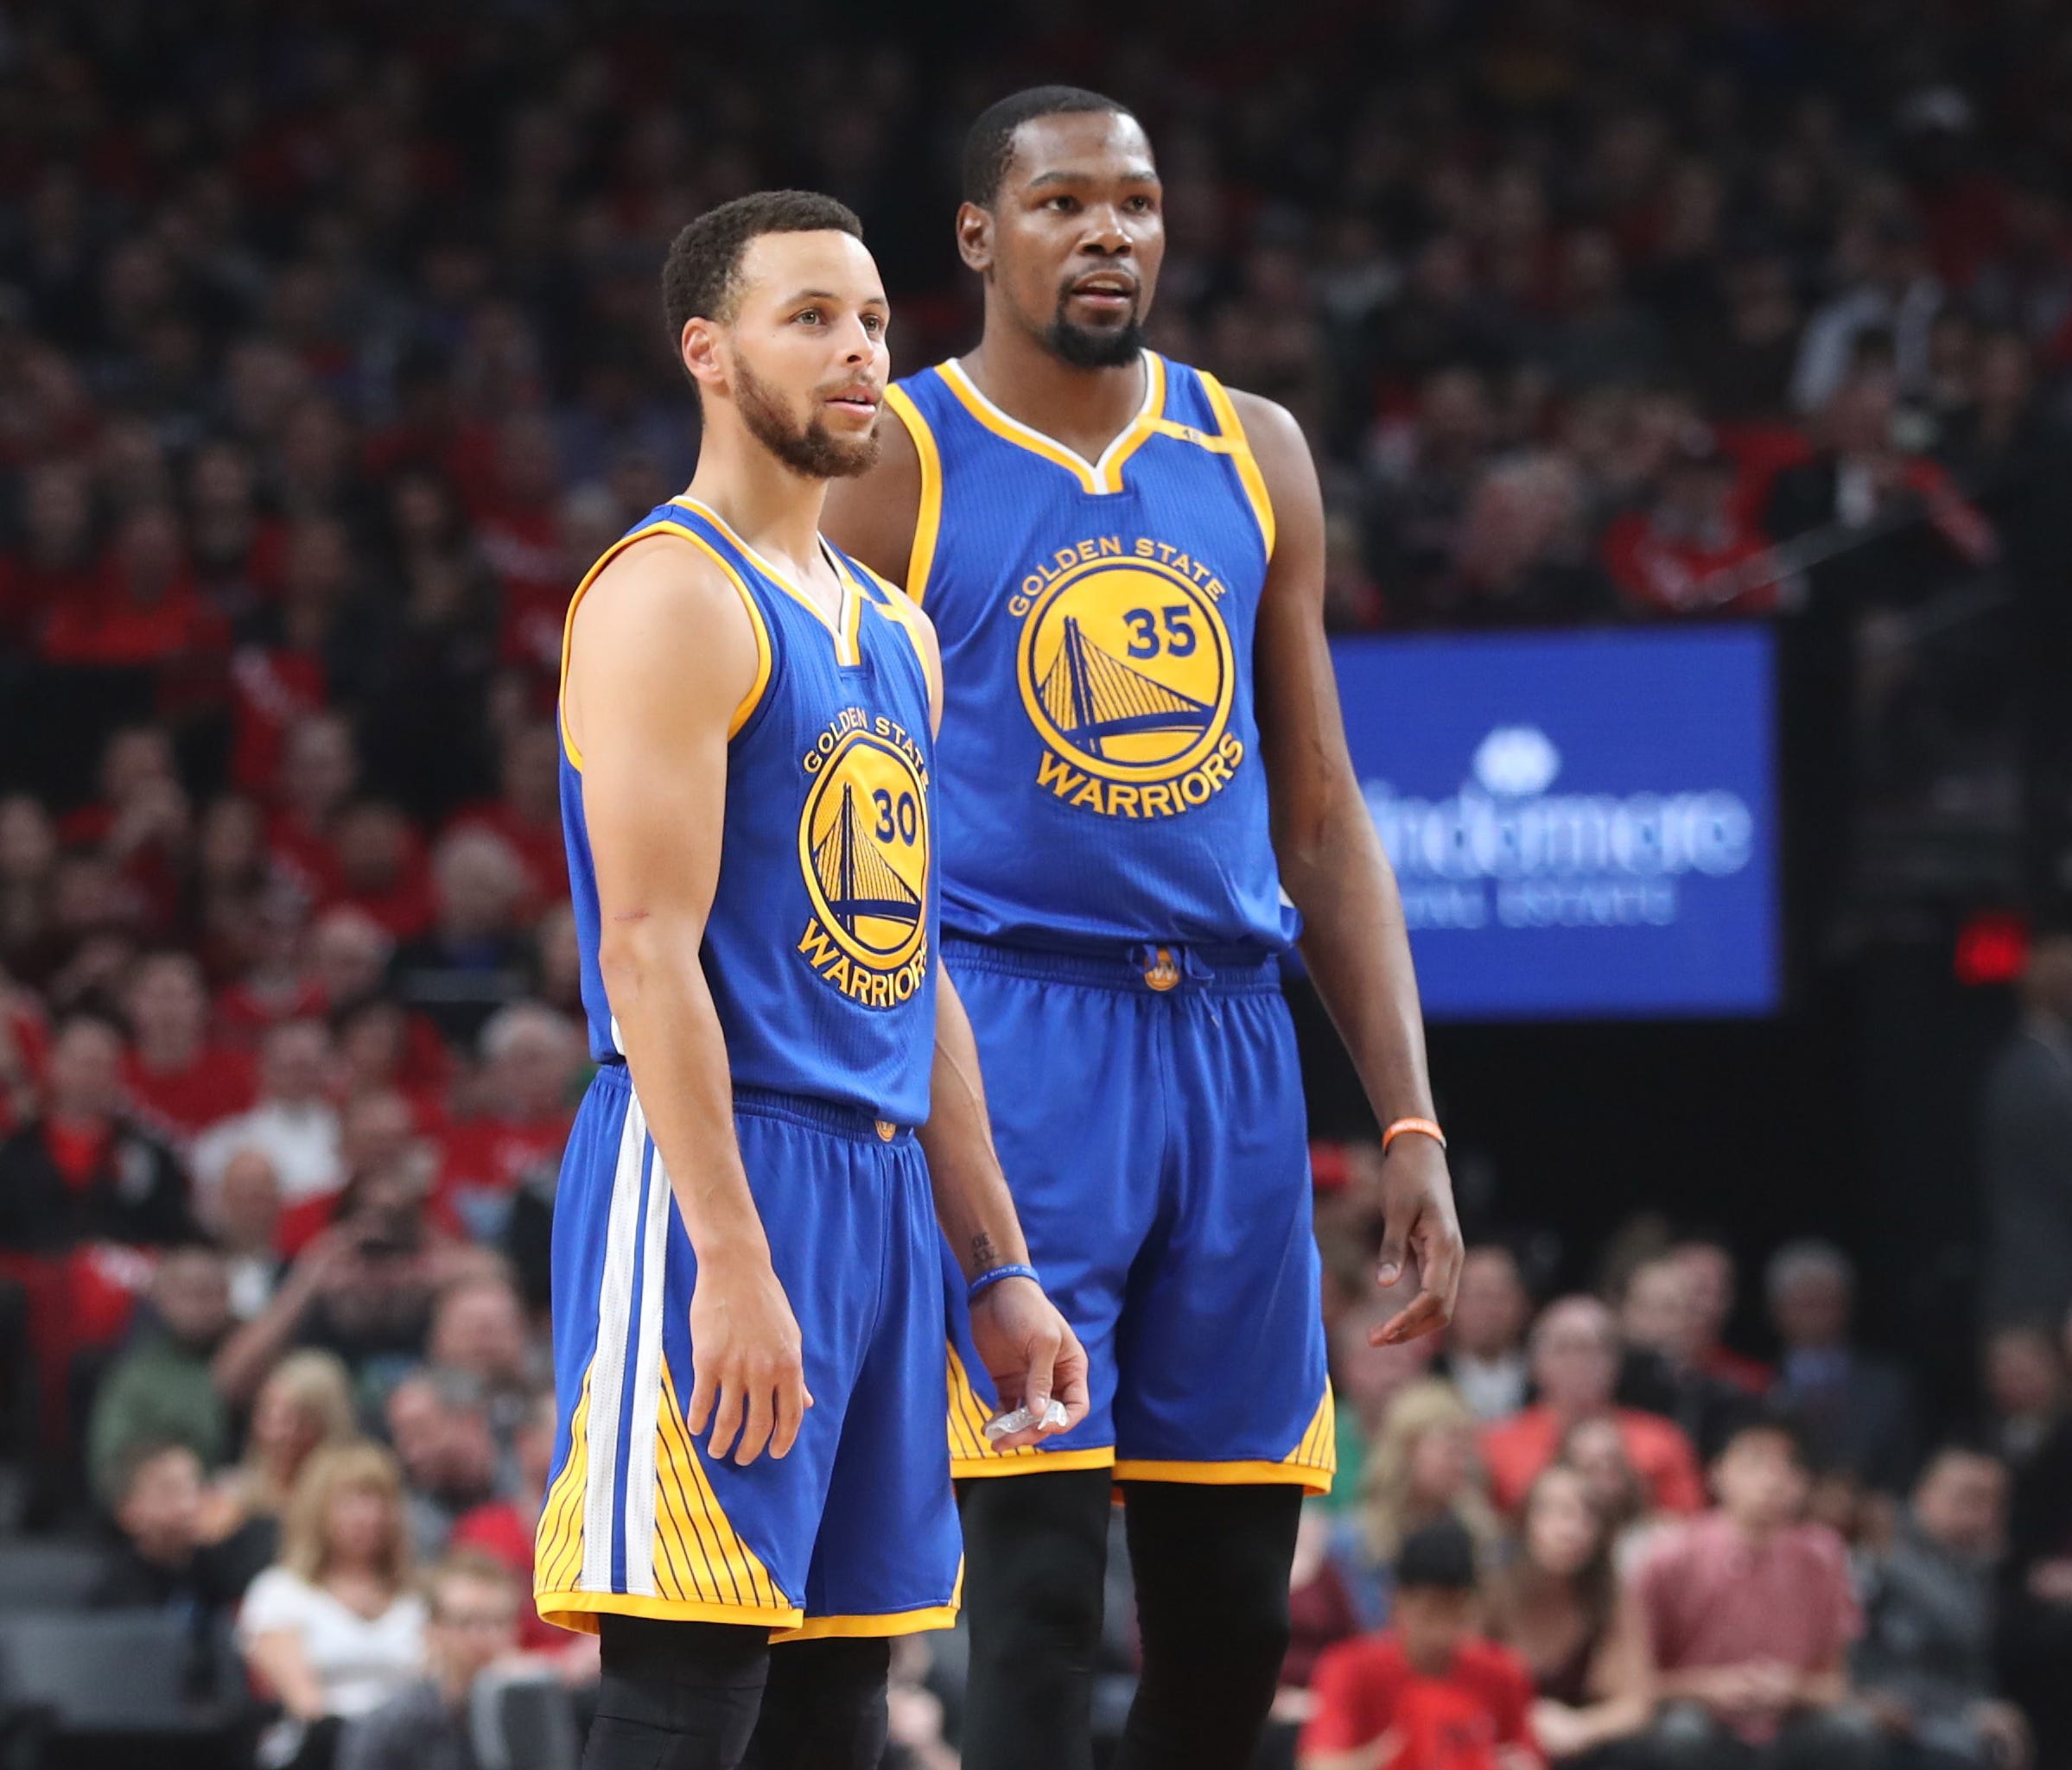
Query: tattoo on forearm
[{"x": 984, "y": 1255}]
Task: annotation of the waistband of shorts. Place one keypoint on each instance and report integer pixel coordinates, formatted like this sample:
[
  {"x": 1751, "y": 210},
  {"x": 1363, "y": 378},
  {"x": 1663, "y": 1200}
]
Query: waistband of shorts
[
  {"x": 802, "y": 1109},
  {"x": 1153, "y": 966}
]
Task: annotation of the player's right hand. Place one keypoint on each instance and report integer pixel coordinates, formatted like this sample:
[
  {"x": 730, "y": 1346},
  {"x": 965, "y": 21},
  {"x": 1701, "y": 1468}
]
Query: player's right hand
[
  {"x": 1032, "y": 1355},
  {"x": 747, "y": 1362}
]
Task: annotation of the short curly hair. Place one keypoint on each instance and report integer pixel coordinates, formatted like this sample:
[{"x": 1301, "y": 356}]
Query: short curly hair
[{"x": 701, "y": 278}]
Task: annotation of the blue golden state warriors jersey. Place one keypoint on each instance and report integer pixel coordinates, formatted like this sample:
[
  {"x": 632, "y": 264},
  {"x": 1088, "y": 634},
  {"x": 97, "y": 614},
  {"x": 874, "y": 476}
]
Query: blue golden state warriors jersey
[
  {"x": 821, "y": 945},
  {"x": 1101, "y": 780}
]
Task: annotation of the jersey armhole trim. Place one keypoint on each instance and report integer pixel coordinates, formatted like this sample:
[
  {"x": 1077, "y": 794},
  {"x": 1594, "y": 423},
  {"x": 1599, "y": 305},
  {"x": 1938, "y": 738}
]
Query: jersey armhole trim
[
  {"x": 764, "y": 657},
  {"x": 1242, "y": 456},
  {"x": 928, "y": 518}
]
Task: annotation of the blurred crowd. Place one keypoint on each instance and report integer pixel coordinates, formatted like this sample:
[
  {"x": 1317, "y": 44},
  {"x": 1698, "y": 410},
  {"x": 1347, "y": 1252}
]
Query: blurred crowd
[
  {"x": 1589, "y": 1528},
  {"x": 330, "y": 356}
]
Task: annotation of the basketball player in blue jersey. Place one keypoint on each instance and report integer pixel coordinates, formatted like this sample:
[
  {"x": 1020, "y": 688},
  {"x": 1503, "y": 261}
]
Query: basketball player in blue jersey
[
  {"x": 1142, "y": 753},
  {"x": 747, "y": 1277}
]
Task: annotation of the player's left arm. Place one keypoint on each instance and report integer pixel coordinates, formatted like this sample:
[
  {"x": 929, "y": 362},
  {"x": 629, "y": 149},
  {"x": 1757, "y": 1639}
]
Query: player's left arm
[
  {"x": 1028, "y": 1347},
  {"x": 1335, "y": 870}
]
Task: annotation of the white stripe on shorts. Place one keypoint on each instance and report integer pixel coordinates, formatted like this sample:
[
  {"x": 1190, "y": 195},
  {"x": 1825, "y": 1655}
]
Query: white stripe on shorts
[
  {"x": 608, "y": 1375},
  {"x": 647, "y": 1387}
]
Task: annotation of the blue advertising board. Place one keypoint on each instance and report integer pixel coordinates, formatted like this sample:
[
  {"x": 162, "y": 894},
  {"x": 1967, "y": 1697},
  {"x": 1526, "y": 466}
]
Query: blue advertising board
[{"x": 1584, "y": 825}]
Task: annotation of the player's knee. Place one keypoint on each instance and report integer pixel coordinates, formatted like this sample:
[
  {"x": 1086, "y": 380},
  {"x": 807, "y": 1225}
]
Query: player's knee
[
  {"x": 1038, "y": 1556},
  {"x": 667, "y": 1686},
  {"x": 825, "y": 1707},
  {"x": 1246, "y": 1641}
]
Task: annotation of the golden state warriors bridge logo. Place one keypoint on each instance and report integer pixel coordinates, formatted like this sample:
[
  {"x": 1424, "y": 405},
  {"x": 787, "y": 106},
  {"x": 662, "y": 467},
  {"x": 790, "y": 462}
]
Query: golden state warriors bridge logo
[
  {"x": 1126, "y": 671},
  {"x": 864, "y": 849}
]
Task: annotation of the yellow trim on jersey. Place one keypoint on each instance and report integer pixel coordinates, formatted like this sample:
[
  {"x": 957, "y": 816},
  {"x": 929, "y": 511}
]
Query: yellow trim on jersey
[
  {"x": 1241, "y": 453},
  {"x": 579, "y": 1611},
  {"x": 972, "y": 1454},
  {"x": 1225, "y": 1474},
  {"x": 1312, "y": 1463},
  {"x": 750, "y": 702},
  {"x": 904, "y": 611},
  {"x": 1099, "y": 477},
  {"x": 842, "y": 626},
  {"x": 815, "y": 1628},
  {"x": 928, "y": 518}
]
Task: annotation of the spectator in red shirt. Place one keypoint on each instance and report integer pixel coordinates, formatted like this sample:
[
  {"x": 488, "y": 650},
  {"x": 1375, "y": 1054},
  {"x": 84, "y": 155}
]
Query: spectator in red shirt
[
  {"x": 1428, "y": 1693},
  {"x": 1575, "y": 1357},
  {"x": 82, "y": 1171},
  {"x": 1711, "y": 1277},
  {"x": 57, "y": 563},
  {"x": 265, "y": 946},
  {"x": 320, "y": 766},
  {"x": 177, "y": 1081},
  {"x": 1750, "y": 1614},
  {"x": 144, "y": 609},
  {"x": 530, "y": 1056},
  {"x": 1691, "y": 549},
  {"x": 379, "y": 1052},
  {"x": 381, "y": 868},
  {"x": 142, "y": 822}
]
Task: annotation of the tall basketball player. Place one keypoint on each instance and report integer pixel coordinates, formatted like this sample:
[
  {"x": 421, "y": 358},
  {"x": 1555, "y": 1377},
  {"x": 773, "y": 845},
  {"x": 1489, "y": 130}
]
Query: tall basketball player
[
  {"x": 1142, "y": 751},
  {"x": 747, "y": 1281}
]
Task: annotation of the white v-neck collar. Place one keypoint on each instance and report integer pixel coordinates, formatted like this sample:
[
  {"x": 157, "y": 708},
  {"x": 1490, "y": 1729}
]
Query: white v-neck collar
[{"x": 1043, "y": 441}]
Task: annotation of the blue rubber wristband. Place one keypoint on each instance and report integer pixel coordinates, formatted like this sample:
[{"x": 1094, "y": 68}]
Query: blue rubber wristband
[{"x": 995, "y": 1276}]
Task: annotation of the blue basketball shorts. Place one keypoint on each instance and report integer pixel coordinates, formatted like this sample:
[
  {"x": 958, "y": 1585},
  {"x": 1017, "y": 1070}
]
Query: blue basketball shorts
[
  {"x": 1149, "y": 1115},
  {"x": 855, "y": 1531}
]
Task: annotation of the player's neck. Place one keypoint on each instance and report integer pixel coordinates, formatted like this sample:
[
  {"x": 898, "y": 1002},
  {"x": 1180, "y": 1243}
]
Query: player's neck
[
  {"x": 1084, "y": 409},
  {"x": 774, "y": 509}
]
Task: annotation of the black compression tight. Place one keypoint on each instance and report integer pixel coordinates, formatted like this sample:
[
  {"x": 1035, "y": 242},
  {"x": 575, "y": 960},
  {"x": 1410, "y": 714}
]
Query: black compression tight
[
  {"x": 1035, "y": 1556},
  {"x": 1211, "y": 1567},
  {"x": 824, "y": 1708},
  {"x": 687, "y": 1696}
]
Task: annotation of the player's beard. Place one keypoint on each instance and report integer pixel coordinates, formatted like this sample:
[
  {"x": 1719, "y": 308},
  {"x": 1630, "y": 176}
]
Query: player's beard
[
  {"x": 1085, "y": 347},
  {"x": 809, "y": 450}
]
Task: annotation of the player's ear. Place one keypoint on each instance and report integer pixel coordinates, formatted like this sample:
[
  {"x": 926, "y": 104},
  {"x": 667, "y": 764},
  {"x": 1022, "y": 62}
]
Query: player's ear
[
  {"x": 974, "y": 237},
  {"x": 700, "y": 349}
]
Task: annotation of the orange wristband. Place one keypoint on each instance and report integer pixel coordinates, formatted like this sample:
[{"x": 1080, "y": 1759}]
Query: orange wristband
[{"x": 1424, "y": 1127}]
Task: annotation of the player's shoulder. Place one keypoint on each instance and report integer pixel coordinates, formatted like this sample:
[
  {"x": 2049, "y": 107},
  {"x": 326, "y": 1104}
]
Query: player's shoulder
[
  {"x": 664, "y": 590},
  {"x": 661, "y": 566},
  {"x": 1271, "y": 430}
]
